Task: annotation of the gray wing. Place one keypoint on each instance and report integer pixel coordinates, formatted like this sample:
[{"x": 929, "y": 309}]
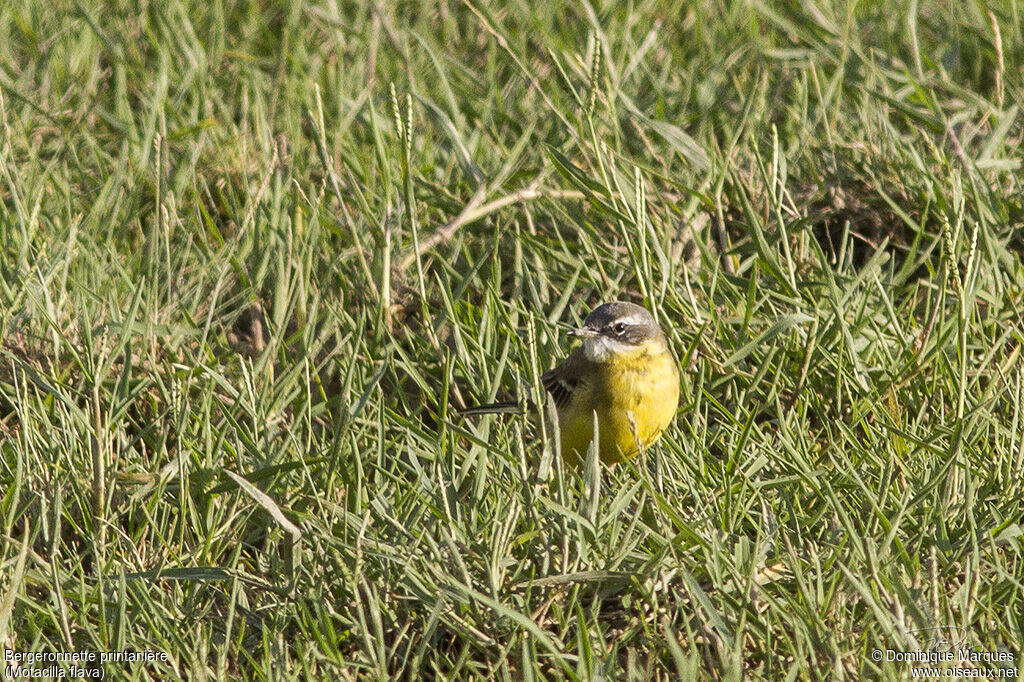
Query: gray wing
[{"x": 563, "y": 381}]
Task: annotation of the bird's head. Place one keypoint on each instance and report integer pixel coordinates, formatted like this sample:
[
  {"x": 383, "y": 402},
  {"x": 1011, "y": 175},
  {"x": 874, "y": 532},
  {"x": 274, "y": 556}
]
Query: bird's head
[{"x": 617, "y": 328}]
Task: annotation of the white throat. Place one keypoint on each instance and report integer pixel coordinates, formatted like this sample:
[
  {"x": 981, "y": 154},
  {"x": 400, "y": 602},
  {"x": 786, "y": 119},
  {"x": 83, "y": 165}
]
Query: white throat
[{"x": 600, "y": 348}]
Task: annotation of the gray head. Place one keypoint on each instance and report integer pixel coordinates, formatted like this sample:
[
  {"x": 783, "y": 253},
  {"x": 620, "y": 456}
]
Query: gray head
[{"x": 616, "y": 327}]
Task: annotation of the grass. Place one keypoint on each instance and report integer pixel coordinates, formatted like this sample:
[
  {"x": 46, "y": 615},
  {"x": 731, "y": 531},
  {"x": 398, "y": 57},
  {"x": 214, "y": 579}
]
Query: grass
[{"x": 255, "y": 256}]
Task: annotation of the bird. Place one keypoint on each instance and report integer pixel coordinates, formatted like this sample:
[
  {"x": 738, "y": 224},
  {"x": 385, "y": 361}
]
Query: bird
[{"x": 623, "y": 375}]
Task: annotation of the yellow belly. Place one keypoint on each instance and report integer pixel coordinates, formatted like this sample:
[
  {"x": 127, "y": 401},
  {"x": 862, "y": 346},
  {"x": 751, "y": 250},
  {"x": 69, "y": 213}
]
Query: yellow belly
[{"x": 633, "y": 398}]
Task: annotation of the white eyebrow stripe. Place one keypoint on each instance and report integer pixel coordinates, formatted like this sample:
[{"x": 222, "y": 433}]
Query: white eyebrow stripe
[{"x": 630, "y": 320}]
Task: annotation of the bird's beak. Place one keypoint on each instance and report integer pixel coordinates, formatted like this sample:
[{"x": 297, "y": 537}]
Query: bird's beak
[{"x": 583, "y": 333}]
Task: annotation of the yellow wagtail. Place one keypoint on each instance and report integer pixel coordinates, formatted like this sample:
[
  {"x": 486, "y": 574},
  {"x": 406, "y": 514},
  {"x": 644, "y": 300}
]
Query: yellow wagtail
[{"x": 624, "y": 374}]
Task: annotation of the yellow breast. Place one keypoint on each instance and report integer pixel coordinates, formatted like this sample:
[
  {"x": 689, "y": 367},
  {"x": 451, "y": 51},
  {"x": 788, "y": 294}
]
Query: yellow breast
[{"x": 634, "y": 396}]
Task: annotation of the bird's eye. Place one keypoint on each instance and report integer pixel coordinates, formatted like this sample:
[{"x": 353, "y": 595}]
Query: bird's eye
[{"x": 619, "y": 328}]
